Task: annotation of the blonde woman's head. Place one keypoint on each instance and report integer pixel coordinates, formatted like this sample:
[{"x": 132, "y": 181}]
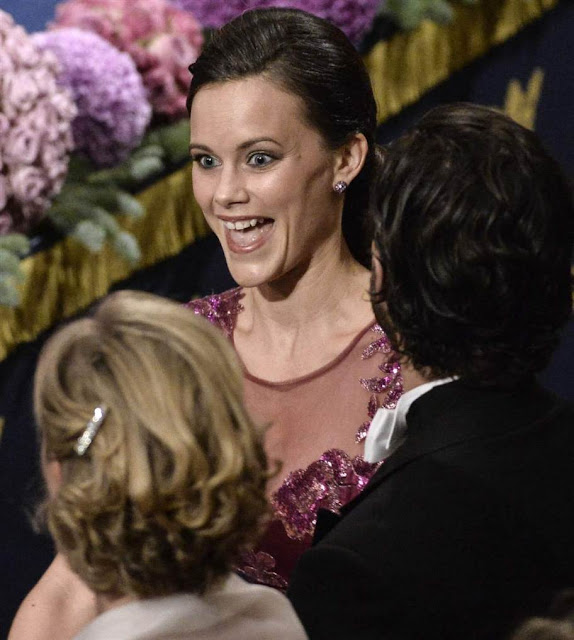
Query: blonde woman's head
[{"x": 172, "y": 488}]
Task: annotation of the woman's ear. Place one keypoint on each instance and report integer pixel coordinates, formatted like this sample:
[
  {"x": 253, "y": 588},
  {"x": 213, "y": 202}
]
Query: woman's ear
[
  {"x": 350, "y": 158},
  {"x": 52, "y": 470}
]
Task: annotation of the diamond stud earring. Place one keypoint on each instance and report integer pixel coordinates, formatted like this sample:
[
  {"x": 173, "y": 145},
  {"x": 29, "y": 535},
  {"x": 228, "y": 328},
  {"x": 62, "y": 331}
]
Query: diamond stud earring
[{"x": 340, "y": 187}]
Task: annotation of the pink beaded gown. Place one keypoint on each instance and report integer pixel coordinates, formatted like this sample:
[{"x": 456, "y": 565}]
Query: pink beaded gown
[{"x": 350, "y": 388}]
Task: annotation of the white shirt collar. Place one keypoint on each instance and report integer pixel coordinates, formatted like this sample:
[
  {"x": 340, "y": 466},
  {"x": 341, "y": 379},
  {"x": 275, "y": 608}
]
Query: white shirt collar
[{"x": 388, "y": 427}]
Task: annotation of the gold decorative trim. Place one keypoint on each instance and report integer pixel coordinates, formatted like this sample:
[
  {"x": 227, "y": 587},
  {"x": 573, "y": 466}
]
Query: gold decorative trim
[
  {"x": 66, "y": 278},
  {"x": 522, "y": 104},
  {"x": 411, "y": 63}
]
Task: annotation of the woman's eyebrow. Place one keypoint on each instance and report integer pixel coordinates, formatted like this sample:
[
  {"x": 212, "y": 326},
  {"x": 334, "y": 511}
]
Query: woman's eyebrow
[
  {"x": 253, "y": 141},
  {"x": 202, "y": 147},
  {"x": 242, "y": 146}
]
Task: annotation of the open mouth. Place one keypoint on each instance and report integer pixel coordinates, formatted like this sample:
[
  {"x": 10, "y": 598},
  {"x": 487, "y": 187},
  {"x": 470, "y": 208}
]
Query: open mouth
[{"x": 247, "y": 235}]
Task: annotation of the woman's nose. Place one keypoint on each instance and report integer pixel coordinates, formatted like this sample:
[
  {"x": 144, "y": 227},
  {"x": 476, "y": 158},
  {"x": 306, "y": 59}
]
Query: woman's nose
[{"x": 230, "y": 188}]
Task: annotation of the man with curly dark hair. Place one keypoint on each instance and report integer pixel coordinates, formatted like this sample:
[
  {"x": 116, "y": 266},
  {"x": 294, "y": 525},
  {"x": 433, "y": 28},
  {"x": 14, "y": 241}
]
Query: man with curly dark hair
[{"x": 468, "y": 527}]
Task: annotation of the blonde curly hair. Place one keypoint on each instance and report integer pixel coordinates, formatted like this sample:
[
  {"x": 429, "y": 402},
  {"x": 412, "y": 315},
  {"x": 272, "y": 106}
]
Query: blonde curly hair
[{"x": 172, "y": 489}]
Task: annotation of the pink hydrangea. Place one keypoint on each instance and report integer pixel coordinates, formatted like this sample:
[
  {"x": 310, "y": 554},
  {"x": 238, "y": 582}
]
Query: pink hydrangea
[
  {"x": 113, "y": 111},
  {"x": 162, "y": 40},
  {"x": 35, "y": 129}
]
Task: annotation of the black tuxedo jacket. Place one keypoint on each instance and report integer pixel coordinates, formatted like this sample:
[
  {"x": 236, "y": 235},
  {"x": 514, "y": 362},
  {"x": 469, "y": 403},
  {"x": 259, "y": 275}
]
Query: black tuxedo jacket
[{"x": 466, "y": 530}]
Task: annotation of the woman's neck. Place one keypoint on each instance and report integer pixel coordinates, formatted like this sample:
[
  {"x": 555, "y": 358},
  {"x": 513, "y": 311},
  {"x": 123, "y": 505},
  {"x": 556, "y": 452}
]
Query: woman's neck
[
  {"x": 296, "y": 324},
  {"x": 316, "y": 292},
  {"x": 105, "y": 602}
]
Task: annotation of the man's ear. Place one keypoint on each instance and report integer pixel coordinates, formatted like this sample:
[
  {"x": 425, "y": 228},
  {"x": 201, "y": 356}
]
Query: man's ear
[{"x": 350, "y": 158}]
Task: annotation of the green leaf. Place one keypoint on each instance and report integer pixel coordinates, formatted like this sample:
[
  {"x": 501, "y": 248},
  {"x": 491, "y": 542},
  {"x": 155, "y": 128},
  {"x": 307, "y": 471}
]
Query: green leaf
[
  {"x": 91, "y": 235},
  {"x": 144, "y": 168},
  {"x": 407, "y": 13},
  {"x": 115, "y": 175},
  {"x": 10, "y": 265},
  {"x": 105, "y": 220},
  {"x": 440, "y": 11},
  {"x": 16, "y": 243},
  {"x": 175, "y": 140},
  {"x": 9, "y": 294},
  {"x": 79, "y": 168},
  {"x": 147, "y": 150},
  {"x": 127, "y": 246},
  {"x": 129, "y": 205}
]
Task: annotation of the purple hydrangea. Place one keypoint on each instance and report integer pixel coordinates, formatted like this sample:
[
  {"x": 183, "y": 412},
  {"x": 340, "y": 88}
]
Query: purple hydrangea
[
  {"x": 215, "y": 13},
  {"x": 35, "y": 129},
  {"x": 354, "y": 17},
  {"x": 113, "y": 109}
]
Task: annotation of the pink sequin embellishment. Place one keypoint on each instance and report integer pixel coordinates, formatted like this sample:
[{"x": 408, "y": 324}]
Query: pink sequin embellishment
[
  {"x": 391, "y": 381},
  {"x": 258, "y": 567},
  {"x": 327, "y": 483},
  {"x": 220, "y": 309},
  {"x": 380, "y": 345}
]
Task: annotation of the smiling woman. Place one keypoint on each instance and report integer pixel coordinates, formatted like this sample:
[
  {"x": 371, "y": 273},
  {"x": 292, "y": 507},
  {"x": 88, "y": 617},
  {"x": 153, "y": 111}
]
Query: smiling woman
[
  {"x": 283, "y": 122},
  {"x": 264, "y": 179}
]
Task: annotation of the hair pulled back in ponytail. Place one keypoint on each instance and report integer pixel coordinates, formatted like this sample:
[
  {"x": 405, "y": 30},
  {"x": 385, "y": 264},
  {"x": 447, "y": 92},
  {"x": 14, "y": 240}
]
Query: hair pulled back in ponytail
[{"x": 312, "y": 59}]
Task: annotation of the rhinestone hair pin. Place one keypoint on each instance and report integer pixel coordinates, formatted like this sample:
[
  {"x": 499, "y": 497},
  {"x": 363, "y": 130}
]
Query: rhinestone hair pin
[{"x": 91, "y": 430}]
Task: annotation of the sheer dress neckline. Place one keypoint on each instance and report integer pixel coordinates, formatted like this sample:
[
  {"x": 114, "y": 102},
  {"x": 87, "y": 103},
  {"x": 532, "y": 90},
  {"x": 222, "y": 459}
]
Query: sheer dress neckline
[
  {"x": 335, "y": 477},
  {"x": 313, "y": 374}
]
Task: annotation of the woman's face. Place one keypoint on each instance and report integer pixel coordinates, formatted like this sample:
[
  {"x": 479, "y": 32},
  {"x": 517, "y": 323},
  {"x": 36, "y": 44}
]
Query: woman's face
[{"x": 263, "y": 178}]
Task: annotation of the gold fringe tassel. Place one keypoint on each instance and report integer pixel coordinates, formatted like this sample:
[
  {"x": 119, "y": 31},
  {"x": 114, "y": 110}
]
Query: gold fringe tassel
[{"x": 411, "y": 63}]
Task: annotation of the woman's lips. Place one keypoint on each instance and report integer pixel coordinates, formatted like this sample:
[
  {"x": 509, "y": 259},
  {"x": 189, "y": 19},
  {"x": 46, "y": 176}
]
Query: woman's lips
[{"x": 249, "y": 239}]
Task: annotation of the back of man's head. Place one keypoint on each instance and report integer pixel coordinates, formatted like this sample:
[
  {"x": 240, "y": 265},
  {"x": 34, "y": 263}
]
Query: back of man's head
[{"x": 474, "y": 228}]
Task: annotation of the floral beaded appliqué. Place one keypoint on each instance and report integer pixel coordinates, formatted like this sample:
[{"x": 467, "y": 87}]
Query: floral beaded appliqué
[
  {"x": 336, "y": 478},
  {"x": 332, "y": 480},
  {"x": 220, "y": 309},
  {"x": 259, "y": 567},
  {"x": 390, "y": 382},
  {"x": 327, "y": 483}
]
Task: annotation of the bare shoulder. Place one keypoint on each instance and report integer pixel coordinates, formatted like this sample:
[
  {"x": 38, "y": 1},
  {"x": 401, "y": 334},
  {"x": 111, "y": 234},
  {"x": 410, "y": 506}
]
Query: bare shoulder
[{"x": 58, "y": 606}]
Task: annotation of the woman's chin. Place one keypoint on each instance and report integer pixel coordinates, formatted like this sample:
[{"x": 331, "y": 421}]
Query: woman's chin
[{"x": 250, "y": 277}]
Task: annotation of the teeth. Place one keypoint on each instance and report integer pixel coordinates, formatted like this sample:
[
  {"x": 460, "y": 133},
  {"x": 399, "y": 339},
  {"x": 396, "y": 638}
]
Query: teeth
[{"x": 242, "y": 224}]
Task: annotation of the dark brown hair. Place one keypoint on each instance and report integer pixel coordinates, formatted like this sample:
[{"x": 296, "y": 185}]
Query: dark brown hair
[
  {"x": 314, "y": 60},
  {"x": 474, "y": 229}
]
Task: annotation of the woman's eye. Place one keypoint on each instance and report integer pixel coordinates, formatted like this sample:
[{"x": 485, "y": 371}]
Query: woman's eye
[
  {"x": 260, "y": 159},
  {"x": 205, "y": 161}
]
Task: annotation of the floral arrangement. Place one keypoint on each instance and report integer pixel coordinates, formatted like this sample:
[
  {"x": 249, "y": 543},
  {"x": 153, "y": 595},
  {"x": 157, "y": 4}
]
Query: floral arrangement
[
  {"x": 109, "y": 80},
  {"x": 35, "y": 129},
  {"x": 35, "y": 143},
  {"x": 162, "y": 40},
  {"x": 113, "y": 110},
  {"x": 354, "y": 17}
]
